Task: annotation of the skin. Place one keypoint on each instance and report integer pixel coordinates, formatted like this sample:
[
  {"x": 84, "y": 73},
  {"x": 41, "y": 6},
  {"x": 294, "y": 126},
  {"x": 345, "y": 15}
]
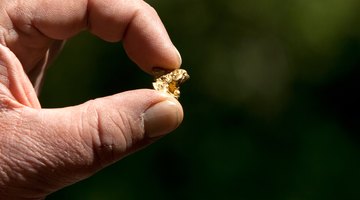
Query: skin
[{"x": 44, "y": 150}]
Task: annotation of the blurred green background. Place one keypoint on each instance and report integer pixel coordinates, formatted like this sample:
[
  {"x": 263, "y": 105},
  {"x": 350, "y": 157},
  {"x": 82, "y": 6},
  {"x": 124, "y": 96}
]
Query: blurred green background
[{"x": 271, "y": 109}]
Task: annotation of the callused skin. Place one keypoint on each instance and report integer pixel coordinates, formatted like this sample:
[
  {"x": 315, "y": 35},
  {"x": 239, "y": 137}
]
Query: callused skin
[{"x": 43, "y": 150}]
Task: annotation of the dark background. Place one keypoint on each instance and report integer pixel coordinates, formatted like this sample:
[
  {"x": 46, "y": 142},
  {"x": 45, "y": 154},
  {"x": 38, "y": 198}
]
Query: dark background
[{"x": 271, "y": 109}]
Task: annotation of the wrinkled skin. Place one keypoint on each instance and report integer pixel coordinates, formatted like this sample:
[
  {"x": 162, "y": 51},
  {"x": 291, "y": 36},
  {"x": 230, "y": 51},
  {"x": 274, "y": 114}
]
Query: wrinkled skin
[{"x": 43, "y": 150}]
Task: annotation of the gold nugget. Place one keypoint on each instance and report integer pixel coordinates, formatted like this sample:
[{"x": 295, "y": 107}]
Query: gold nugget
[{"x": 170, "y": 82}]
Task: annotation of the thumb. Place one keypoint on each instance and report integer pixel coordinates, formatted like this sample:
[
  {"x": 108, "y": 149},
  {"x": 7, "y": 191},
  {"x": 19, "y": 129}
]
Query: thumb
[
  {"x": 117, "y": 124},
  {"x": 104, "y": 130},
  {"x": 52, "y": 148}
]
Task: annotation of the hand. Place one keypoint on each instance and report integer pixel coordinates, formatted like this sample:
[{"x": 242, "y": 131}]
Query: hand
[{"x": 43, "y": 150}]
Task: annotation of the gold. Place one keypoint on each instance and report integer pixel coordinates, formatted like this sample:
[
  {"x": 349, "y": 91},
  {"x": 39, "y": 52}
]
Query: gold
[{"x": 170, "y": 82}]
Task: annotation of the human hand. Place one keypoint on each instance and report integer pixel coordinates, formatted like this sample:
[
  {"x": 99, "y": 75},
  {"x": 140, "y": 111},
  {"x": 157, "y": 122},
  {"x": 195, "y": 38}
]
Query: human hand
[{"x": 43, "y": 150}]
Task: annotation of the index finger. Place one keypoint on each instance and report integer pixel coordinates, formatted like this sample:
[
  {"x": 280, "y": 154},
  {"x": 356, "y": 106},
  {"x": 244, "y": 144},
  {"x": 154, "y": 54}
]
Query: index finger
[
  {"x": 136, "y": 23},
  {"x": 144, "y": 36}
]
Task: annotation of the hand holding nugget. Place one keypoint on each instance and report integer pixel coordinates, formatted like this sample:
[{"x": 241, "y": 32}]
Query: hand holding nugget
[{"x": 43, "y": 150}]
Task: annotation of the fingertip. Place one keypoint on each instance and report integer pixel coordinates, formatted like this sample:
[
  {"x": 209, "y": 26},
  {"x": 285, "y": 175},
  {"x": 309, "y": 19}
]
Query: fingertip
[
  {"x": 139, "y": 27},
  {"x": 179, "y": 57},
  {"x": 147, "y": 42},
  {"x": 150, "y": 53},
  {"x": 160, "y": 112},
  {"x": 162, "y": 118}
]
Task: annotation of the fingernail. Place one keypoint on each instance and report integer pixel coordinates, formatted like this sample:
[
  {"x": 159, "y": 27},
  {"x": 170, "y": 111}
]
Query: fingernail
[
  {"x": 162, "y": 118},
  {"x": 180, "y": 59}
]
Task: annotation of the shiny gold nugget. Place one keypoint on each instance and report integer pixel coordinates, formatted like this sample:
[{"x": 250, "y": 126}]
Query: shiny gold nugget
[{"x": 170, "y": 82}]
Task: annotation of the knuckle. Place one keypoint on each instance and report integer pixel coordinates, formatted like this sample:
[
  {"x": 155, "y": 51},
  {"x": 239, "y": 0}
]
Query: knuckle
[{"x": 113, "y": 131}]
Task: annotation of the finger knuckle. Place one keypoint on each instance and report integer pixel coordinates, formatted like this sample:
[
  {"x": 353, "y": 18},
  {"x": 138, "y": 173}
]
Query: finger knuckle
[{"x": 115, "y": 132}]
